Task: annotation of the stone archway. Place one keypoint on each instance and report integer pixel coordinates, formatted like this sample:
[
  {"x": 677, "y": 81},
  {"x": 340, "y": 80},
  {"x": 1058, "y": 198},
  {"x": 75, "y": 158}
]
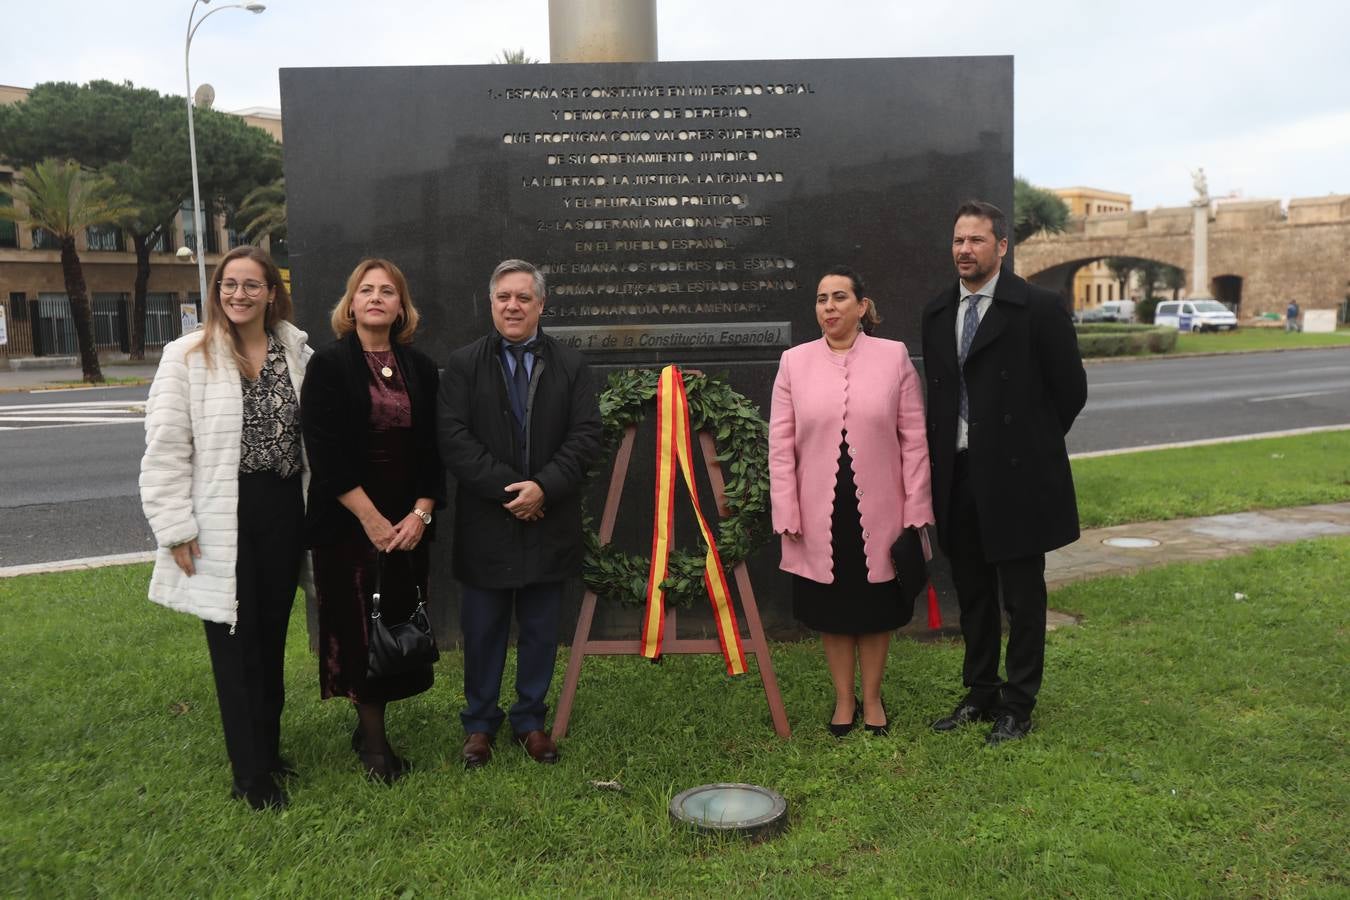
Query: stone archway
[{"x": 1227, "y": 289}]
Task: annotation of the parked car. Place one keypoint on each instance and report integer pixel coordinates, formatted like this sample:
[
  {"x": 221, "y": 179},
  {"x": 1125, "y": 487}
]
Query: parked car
[
  {"x": 1195, "y": 315},
  {"x": 1110, "y": 311}
]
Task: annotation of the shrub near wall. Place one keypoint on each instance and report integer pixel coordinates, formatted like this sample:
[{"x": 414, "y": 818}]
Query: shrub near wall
[{"x": 1121, "y": 339}]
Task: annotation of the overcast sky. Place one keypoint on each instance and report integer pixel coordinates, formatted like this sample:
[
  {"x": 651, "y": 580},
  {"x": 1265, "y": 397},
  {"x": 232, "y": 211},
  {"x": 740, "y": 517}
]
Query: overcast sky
[{"x": 1125, "y": 97}]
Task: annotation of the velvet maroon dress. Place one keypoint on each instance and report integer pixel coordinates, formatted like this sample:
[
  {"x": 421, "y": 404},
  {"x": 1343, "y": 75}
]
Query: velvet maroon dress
[{"x": 344, "y": 571}]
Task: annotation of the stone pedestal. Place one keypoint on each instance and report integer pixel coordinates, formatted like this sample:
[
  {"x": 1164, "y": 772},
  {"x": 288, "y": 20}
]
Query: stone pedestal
[
  {"x": 1200, "y": 251},
  {"x": 589, "y": 31}
]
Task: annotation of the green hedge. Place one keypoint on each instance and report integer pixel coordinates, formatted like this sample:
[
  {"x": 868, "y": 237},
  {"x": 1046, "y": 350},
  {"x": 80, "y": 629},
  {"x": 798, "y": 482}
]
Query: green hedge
[{"x": 1123, "y": 339}]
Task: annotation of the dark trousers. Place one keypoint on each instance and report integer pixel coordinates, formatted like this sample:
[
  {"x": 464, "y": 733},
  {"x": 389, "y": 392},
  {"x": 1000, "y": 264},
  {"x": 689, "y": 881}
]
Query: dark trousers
[
  {"x": 247, "y": 663},
  {"x": 485, "y": 620},
  {"x": 979, "y": 585}
]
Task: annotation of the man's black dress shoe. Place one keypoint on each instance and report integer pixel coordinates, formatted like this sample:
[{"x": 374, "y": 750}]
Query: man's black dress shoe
[
  {"x": 283, "y": 768},
  {"x": 964, "y": 714},
  {"x": 261, "y": 793},
  {"x": 841, "y": 730},
  {"x": 477, "y": 749},
  {"x": 1008, "y": 728}
]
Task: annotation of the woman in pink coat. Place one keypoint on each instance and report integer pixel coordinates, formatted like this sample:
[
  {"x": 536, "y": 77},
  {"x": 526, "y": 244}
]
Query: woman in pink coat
[{"x": 848, "y": 467}]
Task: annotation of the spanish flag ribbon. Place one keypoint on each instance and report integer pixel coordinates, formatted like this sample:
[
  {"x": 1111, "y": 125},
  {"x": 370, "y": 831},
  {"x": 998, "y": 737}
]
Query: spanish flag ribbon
[{"x": 672, "y": 446}]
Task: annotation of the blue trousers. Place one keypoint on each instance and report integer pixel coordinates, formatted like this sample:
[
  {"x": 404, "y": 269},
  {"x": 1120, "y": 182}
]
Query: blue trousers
[{"x": 485, "y": 620}]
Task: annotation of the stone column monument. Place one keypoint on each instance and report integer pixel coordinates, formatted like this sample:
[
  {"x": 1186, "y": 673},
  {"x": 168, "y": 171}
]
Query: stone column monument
[
  {"x": 1200, "y": 237},
  {"x": 589, "y": 31}
]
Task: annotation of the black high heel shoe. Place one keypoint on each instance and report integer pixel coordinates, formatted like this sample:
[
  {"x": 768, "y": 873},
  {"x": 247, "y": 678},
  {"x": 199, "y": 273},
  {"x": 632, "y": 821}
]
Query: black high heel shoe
[
  {"x": 880, "y": 730},
  {"x": 391, "y": 768},
  {"x": 841, "y": 730}
]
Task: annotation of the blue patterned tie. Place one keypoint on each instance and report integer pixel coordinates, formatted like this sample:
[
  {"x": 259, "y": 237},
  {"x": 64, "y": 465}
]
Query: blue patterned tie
[{"x": 970, "y": 323}]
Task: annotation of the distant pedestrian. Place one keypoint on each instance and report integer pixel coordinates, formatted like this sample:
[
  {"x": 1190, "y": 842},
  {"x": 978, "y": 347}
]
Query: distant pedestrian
[
  {"x": 222, "y": 486},
  {"x": 1291, "y": 313},
  {"x": 1005, "y": 382}
]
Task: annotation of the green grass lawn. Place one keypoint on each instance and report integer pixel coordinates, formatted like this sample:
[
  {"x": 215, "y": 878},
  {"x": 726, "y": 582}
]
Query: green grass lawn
[
  {"x": 1215, "y": 479},
  {"x": 1189, "y": 743},
  {"x": 1257, "y": 339}
]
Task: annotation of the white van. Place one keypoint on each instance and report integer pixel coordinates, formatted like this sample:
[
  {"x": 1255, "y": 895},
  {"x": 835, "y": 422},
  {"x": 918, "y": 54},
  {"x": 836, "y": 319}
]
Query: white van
[
  {"x": 1195, "y": 315},
  {"x": 1117, "y": 311}
]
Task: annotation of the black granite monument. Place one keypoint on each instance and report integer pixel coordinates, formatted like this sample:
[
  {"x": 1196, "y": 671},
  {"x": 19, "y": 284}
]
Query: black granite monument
[{"x": 681, "y": 211}]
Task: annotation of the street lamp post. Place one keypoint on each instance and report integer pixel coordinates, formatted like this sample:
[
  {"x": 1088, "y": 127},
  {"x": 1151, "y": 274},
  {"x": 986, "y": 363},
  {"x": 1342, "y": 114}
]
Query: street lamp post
[{"x": 193, "y": 24}]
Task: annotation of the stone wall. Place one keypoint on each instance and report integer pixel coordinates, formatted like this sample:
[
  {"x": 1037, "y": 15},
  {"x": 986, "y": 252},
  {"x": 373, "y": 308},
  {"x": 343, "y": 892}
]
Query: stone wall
[{"x": 1304, "y": 254}]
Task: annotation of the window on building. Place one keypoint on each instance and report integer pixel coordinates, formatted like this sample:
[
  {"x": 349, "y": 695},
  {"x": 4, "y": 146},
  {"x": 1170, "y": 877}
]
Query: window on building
[
  {"x": 1111, "y": 291},
  {"x": 106, "y": 237},
  {"x": 1099, "y": 294},
  {"x": 190, "y": 230},
  {"x": 1087, "y": 295},
  {"x": 45, "y": 240},
  {"x": 163, "y": 243},
  {"x": 18, "y": 306},
  {"x": 9, "y": 231}
]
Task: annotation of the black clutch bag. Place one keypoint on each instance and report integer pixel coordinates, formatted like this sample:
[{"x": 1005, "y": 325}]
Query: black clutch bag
[
  {"x": 911, "y": 573},
  {"x": 403, "y": 646}
]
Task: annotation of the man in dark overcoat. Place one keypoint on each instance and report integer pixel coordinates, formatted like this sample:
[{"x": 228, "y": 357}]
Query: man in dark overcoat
[
  {"x": 519, "y": 428},
  {"x": 1005, "y": 382}
]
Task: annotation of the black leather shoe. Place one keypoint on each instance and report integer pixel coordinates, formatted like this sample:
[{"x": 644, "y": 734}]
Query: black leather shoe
[
  {"x": 964, "y": 714},
  {"x": 283, "y": 768},
  {"x": 879, "y": 730},
  {"x": 1008, "y": 728},
  {"x": 261, "y": 793},
  {"x": 841, "y": 730},
  {"x": 385, "y": 769}
]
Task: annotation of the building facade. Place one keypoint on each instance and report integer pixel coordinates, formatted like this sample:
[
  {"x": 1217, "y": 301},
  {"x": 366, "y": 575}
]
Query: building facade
[
  {"x": 1095, "y": 283},
  {"x": 36, "y": 309}
]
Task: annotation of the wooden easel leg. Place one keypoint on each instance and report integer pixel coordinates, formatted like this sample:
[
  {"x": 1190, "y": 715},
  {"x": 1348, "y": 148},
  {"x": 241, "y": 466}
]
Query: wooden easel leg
[
  {"x": 759, "y": 645},
  {"x": 581, "y": 640},
  {"x": 576, "y": 656}
]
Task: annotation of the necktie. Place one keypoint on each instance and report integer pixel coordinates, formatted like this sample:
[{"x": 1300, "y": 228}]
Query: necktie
[
  {"x": 970, "y": 323},
  {"x": 520, "y": 383}
]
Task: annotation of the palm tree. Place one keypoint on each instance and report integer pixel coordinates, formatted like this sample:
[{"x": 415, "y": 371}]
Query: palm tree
[
  {"x": 515, "y": 57},
  {"x": 64, "y": 199},
  {"x": 263, "y": 211}
]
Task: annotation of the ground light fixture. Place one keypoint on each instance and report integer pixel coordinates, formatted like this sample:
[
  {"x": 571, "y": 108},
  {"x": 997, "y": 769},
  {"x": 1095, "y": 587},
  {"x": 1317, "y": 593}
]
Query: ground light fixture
[
  {"x": 742, "y": 809},
  {"x": 1131, "y": 543},
  {"x": 199, "y": 231}
]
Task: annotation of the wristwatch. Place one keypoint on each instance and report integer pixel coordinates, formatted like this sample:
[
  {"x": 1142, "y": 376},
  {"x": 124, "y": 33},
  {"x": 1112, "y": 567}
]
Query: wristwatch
[{"x": 423, "y": 515}]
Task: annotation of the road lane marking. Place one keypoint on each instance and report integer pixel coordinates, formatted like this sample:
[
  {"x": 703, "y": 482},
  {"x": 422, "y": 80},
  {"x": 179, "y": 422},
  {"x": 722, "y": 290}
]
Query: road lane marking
[
  {"x": 1206, "y": 442},
  {"x": 1293, "y": 396}
]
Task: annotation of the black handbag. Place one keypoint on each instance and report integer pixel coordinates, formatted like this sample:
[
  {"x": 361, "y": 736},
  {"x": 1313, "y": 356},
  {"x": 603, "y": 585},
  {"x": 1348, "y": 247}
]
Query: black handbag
[
  {"x": 401, "y": 647},
  {"x": 911, "y": 573}
]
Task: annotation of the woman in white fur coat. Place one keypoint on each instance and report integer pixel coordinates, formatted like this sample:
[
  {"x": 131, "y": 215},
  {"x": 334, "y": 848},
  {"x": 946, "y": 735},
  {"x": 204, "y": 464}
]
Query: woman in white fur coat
[{"x": 222, "y": 484}]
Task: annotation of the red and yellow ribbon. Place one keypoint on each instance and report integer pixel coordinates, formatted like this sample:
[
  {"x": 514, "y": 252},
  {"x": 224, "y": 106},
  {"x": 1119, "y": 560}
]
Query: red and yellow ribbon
[{"x": 673, "y": 445}]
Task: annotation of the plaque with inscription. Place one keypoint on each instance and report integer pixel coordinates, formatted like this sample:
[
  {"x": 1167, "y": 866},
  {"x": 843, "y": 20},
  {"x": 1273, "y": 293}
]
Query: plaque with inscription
[{"x": 680, "y": 211}]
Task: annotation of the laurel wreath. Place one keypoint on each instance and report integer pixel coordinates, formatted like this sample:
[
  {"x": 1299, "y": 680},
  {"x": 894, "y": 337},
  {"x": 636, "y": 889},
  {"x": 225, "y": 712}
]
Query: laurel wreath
[{"x": 742, "y": 442}]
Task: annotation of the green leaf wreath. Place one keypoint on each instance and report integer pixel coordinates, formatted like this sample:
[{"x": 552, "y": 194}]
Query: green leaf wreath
[{"x": 742, "y": 444}]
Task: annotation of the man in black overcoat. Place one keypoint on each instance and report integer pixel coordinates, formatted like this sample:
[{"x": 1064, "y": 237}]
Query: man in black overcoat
[
  {"x": 519, "y": 428},
  {"x": 1005, "y": 382}
]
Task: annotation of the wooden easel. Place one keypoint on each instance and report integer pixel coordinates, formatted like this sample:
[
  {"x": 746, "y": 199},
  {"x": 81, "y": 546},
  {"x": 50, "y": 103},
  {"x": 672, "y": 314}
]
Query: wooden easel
[{"x": 583, "y": 646}]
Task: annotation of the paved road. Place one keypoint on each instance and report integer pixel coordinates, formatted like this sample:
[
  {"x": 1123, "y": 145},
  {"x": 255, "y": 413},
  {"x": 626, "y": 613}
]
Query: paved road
[
  {"x": 68, "y": 467},
  {"x": 69, "y": 459},
  {"x": 1137, "y": 403}
]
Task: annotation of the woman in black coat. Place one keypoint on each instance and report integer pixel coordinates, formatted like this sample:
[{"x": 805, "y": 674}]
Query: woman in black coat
[{"x": 369, "y": 416}]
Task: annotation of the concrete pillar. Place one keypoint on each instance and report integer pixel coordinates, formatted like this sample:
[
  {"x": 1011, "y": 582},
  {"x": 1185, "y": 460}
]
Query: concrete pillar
[
  {"x": 601, "y": 31},
  {"x": 1200, "y": 251}
]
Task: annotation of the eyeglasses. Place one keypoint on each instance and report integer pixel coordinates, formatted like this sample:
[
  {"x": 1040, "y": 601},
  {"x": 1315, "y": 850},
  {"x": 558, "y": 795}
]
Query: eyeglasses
[{"x": 252, "y": 289}]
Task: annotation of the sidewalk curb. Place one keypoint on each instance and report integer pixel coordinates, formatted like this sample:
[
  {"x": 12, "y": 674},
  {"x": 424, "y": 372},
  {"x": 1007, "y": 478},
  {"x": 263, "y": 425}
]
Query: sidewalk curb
[
  {"x": 1158, "y": 357},
  {"x": 77, "y": 565}
]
